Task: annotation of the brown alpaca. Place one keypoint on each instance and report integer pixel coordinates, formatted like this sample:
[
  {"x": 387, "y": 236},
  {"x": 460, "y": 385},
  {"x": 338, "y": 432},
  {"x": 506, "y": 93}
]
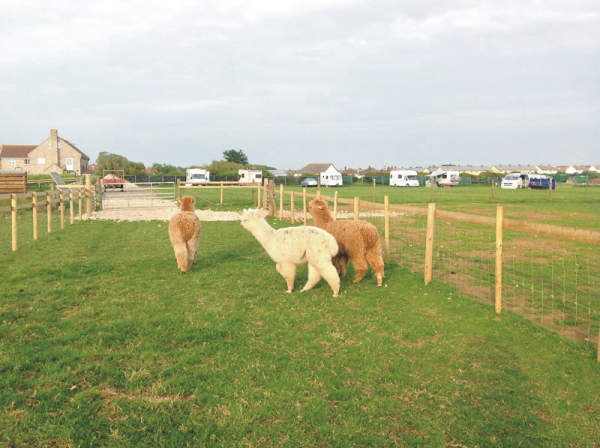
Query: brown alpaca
[
  {"x": 357, "y": 240},
  {"x": 184, "y": 233}
]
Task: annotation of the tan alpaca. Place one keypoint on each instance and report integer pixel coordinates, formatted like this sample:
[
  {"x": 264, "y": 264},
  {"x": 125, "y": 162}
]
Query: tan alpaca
[
  {"x": 358, "y": 240},
  {"x": 184, "y": 233},
  {"x": 292, "y": 246}
]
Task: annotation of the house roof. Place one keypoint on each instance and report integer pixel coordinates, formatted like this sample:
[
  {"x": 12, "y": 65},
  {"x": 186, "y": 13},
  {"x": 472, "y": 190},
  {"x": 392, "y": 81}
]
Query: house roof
[
  {"x": 17, "y": 151},
  {"x": 315, "y": 168},
  {"x": 83, "y": 156}
]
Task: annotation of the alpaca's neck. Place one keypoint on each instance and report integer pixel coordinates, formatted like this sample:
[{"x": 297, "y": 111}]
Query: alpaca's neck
[
  {"x": 322, "y": 220},
  {"x": 263, "y": 232}
]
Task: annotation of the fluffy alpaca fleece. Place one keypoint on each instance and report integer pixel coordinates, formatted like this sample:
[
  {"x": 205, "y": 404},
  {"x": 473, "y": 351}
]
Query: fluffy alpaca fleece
[
  {"x": 184, "y": 233},
  {"x": 293, "y": 246},
  {"x": 357, "y": 240}
]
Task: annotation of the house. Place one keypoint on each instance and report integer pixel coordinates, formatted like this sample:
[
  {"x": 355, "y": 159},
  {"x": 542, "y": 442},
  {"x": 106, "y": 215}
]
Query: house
[
  {"x": 504, "y": 169},
  {"x": 313, "y": 169},
  {"x": 574, "y": 169},
  {"x": 55, "y": 154},
  {"x": 250, "y": 176},
  {"x": 545, "y": 169},
  {"x": 331, "y": 177}
]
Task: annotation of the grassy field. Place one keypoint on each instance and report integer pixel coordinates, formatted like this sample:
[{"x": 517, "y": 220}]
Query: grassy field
[
  {"x": 104, "y": 343},
  {"x": 569, "y": 205}
]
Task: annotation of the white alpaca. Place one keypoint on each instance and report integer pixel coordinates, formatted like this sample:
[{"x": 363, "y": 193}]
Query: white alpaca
[{"x": 291, "y": 246}]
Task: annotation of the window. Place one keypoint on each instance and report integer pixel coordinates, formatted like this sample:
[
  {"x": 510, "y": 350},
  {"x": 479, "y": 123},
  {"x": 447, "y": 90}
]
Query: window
[
  {"x": 12, "y": 162},
  {"x": 26, "y": 161},
  {"x": 41, "y": 160}
]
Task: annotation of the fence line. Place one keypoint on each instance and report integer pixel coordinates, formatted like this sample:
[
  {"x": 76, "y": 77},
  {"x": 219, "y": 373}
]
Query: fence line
[
  {"x": 486, "y": 270},
  {"x": 53, "y": 198}
]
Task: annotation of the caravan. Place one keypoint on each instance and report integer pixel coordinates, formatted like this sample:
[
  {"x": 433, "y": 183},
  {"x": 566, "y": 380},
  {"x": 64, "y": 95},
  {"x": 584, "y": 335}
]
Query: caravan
[
  {"x": 331, "y": 177},
  {"x": 196, "y": 176},
  {"x": 444, "y": 178},
  {"x": 403, "y": 178},
  {"x": 250, "y": 176}
]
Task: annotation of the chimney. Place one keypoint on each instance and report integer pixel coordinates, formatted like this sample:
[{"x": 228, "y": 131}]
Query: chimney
[{"x": 54, "y": 144}]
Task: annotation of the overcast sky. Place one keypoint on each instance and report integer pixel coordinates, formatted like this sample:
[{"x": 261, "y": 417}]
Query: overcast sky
[{"x": 306, "y": 81}]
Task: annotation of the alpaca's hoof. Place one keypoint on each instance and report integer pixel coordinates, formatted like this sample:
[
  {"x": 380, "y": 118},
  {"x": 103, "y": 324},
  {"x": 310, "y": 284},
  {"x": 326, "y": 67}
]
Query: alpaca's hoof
[{"x": 289, "y": 291}]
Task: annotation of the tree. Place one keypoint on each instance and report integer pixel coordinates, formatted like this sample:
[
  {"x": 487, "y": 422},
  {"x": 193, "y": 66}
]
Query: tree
[{"x": 235, "y": 156}]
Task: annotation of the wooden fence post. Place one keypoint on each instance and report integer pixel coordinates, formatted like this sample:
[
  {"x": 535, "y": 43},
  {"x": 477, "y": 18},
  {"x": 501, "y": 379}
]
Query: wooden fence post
[
  {"x": 71, "y": 211},
  {"x": 319, "y": 193},
  {"x": 221, "y": 198},
  {"x": 499, "y": 226},
  {"x": 265, "y": 193},
  {"x": 177, "y": 187},
  {"x": 374, "y": 182},
  {"x": 13, "y": 211},
  {"x": 34, "y": 215},
  {"x": 292, "y": 213},
  {"x": 386, "y": 221},
  {"x": 429, "y": 242},
  {"x": 88, "y": 188},
  {"x": 79, "y": 209},
  {"x": 356, "y": 202},
  {"x": 49, "y": 197},
  {"x": 304, "y": 205},
  {"x": 61, "y": 206},
  {"x": 258, "y": 195},
  {"x": 335, "y": 202},
  {"x": 271, "y": 197},
  {"x": 281, "y": 202}
]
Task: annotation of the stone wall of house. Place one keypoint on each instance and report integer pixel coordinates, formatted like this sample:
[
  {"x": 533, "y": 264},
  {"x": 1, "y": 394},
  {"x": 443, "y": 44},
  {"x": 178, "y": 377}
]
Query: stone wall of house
[{"x": 51, "y": 155}]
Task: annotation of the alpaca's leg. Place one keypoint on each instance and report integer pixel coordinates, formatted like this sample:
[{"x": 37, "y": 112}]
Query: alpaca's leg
[
  {"x": 340, "y": 261},
  {"x": 376, "y": 261},
  {"x": 181, "y": 255},
  {"x": 360, "y": 265},
  {"x": 331, "y": 276},
  {"x": 313, "y": 277},
  {"x": 192, "y": 248},
  {"x": 287, "y": 271}
]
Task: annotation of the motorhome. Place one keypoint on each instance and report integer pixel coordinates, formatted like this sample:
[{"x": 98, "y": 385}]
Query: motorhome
[
  {"x": 404, "y": 178},
  {"x": 444, "y": 178},
  {"x": 515, "y": 180},
  {"x": 196, "y": 176},
  {"x": 250, "y": 176},
  {"x": 331, "y": 177}
]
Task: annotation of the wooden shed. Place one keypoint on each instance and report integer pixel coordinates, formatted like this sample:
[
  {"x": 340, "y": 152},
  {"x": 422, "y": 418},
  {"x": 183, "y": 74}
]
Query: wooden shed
[{"x": 13, "y": 182}]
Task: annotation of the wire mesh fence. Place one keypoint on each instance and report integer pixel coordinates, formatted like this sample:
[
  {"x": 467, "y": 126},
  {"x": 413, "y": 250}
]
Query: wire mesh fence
[{"x": 552, "y": 281}]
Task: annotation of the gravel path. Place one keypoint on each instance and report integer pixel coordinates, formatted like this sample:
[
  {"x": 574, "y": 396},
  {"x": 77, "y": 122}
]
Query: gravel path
[{"x": 165, "y": 213}]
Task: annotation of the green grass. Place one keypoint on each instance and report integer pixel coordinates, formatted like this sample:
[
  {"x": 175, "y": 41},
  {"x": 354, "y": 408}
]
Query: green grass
[
  {"x": 568, "y": 206},
  {"x": 104, "y": 343}
]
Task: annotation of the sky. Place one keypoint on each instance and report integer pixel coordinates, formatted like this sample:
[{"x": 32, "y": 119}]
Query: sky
[{"x": 353, "y": 83}]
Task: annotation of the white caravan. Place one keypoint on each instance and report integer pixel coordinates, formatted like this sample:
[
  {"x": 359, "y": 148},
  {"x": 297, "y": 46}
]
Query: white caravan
[
  {"x": 517, "y": 180},
  {"x": 196, "y": 176},
  {"x": 331, "y": 177},
  {"x": 250, "y": 176},
  {"x": 444, "y": 178},
  {"x": 404, "y": 178}
]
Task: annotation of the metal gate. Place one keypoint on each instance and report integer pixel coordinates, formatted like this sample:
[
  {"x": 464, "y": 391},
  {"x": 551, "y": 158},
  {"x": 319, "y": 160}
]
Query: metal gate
[{"x": 142, "y": 194}]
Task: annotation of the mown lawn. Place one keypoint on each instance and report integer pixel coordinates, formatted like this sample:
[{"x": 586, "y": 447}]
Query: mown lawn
[{"x": 104, "y": 343}]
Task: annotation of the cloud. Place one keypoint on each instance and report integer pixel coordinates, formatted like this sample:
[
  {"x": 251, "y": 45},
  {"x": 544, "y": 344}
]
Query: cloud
[{"x": 314, "y": 77}]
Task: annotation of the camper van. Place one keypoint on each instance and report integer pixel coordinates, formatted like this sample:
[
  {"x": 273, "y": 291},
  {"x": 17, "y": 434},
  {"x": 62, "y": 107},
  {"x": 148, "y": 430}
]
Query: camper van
[
  {"x": 404, "y": 178},
  {"x": 444, "y": 178},
  {"x": 250, "y": 176},
  {"x": 196, "y": 176},
  {"x": 331, "y": 177}
]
